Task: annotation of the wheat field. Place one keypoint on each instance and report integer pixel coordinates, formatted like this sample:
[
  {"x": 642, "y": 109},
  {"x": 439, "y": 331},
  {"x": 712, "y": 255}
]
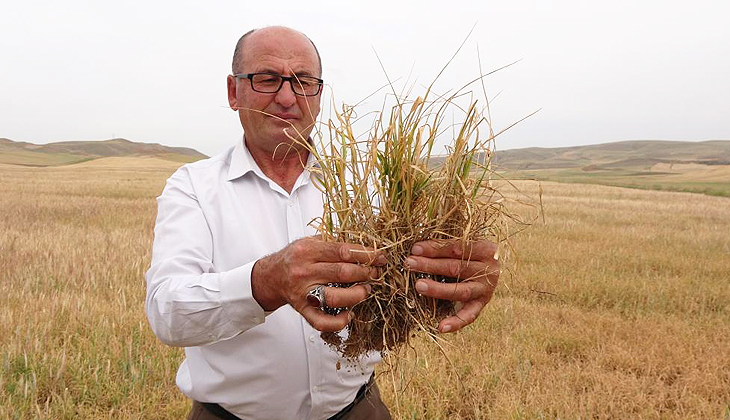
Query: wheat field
[{"x": 618, "y": 307}]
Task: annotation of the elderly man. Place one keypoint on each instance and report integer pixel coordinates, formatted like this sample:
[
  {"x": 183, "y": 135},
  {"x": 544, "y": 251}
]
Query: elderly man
[{"x": 234, "y": 258}]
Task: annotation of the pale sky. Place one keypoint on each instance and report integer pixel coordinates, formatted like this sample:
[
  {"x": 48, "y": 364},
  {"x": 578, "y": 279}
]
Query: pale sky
[{"x": 154, "y": 71}]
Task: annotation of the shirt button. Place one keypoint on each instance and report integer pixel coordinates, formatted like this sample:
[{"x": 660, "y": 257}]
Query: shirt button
[
  {"x": 311, "y": 338},
  {"x": 316, "y": 389}
]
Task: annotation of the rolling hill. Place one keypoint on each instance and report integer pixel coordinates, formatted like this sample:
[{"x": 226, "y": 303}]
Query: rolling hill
[
  {"x": 700, "y": 167},
  {"x": 69, "y": 152},
  {"x": 623, "y": 154}
]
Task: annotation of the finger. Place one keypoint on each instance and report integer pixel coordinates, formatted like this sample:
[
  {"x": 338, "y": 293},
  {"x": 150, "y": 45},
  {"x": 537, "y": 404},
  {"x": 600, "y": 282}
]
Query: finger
[
  {"x": 336, "y": 252},
  {"x": 343, "y": 273},
  {"x": 346, "y": 297},
  {"x": 449, "y": 267},
  {"x": 461, "y": 292},
  {"x": 323, "y": 322},
  {"x": 468, "y": 314},
  {"x": 482, "y": 250}
]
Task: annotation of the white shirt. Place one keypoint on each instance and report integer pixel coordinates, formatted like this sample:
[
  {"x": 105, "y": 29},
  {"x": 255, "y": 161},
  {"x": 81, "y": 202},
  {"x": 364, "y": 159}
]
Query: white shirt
[{"x": 216, "y": 217}]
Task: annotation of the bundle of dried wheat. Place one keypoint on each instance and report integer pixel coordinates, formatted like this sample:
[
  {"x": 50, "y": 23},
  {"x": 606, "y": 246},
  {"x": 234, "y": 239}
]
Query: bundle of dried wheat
[{"x": 387, "y": 192}]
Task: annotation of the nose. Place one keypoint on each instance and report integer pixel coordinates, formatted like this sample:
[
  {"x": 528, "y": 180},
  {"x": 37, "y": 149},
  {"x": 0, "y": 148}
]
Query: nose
[{"x": 285, "y": 96}]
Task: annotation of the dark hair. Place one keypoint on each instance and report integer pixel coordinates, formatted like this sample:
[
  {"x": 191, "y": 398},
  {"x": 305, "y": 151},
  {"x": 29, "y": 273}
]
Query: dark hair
[{"x": 237, "y": 63}]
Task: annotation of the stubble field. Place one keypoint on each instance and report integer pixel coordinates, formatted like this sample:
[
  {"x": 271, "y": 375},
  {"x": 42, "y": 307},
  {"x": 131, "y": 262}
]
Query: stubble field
[{"x": 619, "y": 308}]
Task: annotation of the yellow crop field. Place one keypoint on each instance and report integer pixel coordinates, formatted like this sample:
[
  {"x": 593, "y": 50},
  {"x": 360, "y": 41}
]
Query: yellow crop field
[{"x": 618, "y": 308}]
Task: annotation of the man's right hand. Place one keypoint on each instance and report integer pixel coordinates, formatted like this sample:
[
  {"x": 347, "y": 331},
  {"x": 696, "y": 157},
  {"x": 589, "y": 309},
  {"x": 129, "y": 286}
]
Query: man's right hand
[{"x": 288, "y": 275}]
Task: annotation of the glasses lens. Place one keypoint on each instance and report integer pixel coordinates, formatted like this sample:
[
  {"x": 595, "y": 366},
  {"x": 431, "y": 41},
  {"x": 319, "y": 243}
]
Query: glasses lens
[
  {"x": 265, "y": 83},
  {"x": 304, "y": 85}
]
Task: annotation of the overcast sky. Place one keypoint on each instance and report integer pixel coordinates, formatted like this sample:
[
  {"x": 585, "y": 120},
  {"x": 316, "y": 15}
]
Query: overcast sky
[{"x": 154, "y": 71}]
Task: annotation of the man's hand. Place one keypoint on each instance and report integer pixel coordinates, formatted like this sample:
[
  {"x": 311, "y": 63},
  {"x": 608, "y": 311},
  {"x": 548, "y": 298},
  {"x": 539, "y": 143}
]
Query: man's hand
[
  {"x": 477, "y": 267},
  {"x": 286, "y": 277}
]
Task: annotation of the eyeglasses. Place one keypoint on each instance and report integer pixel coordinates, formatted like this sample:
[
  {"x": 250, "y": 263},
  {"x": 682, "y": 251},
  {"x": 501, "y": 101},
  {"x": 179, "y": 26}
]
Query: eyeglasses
[{"x": 272, "y": 83}]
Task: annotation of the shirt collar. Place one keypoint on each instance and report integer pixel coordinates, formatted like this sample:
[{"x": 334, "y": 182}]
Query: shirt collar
[{"x": 242, "y": 162}]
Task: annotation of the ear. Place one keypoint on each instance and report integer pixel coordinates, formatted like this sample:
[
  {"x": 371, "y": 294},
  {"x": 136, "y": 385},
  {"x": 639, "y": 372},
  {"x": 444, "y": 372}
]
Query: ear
[{"x": 232, "y": 93}]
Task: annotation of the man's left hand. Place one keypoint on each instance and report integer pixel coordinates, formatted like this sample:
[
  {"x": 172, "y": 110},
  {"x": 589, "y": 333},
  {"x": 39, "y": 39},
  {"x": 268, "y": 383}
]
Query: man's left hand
[{"x": 475, "y": 264}]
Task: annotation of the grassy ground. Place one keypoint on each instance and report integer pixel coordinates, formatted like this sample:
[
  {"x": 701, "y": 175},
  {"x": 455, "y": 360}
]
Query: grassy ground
[
  {"x": 620, "y": 308},
  {"x": 628, "y": 318},
  {"x": 29, "y": 158},
  {"x": 704, "y": 179},
  {"x": 74, "y": 342}
]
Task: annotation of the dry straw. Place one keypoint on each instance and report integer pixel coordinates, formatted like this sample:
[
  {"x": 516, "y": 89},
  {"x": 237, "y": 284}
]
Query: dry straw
[{"x": 388, "y": 190}]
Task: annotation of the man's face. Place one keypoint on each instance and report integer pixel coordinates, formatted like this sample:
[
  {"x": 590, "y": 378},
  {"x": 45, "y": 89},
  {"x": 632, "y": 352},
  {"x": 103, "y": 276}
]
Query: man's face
[{"x": 288, "y": 53}]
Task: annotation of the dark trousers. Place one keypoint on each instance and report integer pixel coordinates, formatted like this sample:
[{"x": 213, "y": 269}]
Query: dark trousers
[{"x": 369, "y": 408}]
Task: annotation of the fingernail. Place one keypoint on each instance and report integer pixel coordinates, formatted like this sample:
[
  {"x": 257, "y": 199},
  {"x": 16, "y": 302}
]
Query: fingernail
[
  {"x": 382, "y": 260},
  {"x": 417, "y": 250},
  {"x": 446, "y": 328},
  {"x": 369, "y": 288},
  {"x": 421, "y": 287},
  {"x": 411, "y": 262},
  {"x": 349, "y": 317}
]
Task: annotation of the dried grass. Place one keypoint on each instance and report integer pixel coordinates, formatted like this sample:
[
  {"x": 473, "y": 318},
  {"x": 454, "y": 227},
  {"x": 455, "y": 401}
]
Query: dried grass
[
  {"x": 384, "y": 192},
  {"x": 636, "y": 326}
]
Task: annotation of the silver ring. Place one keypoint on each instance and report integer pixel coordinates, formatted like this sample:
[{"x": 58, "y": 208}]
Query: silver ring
[{"x": 316, "y": 298}]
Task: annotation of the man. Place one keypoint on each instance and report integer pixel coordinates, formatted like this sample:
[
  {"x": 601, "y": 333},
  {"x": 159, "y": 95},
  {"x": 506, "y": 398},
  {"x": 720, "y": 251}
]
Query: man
[{"x": 234, "y": 259}]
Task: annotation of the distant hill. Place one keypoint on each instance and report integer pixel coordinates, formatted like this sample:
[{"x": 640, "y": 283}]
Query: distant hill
[
  {"x": 69, "y": 152},
  {"x": 623, "y": 154},
  {"x": 699, "y": 167}
]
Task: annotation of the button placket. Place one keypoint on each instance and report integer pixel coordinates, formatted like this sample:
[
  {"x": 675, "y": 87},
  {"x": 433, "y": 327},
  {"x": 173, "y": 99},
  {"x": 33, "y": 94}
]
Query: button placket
[
  {"x": 315, "y": 368},
  {"x": 294, "y": 218}
]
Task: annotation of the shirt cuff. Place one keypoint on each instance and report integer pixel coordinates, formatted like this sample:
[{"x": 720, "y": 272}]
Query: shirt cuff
[{"x": 237, "y": 298}]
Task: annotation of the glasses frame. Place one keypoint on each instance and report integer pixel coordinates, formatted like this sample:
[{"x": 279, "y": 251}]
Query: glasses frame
[{"x": 290, "y": 79}]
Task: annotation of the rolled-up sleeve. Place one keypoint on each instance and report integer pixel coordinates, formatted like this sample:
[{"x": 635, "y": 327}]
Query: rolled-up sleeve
[{"x": 189, "y": 302}]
